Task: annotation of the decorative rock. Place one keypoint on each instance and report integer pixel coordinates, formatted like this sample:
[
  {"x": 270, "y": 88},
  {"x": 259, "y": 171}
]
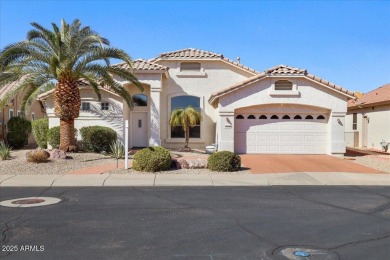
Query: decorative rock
[
  {"x": 197, "y": 164},
  {"x": 57, "y": 154},
  {"x": 181, "y": 163}
]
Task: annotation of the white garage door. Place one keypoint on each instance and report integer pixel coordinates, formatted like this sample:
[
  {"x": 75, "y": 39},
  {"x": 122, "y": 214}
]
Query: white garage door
[{"x": 280, "y": 134}]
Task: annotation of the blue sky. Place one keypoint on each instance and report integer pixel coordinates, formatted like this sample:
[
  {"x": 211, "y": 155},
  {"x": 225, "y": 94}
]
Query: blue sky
[{"x": 345, "y": 42}]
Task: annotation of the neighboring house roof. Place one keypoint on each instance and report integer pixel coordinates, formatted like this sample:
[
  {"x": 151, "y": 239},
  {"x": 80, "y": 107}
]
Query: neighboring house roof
[
  {"x": 281, "y": 70},
  {"x": 141, "y": 64},
  {"x": 380, "y": 95},
  {"x": 80, "y": 83},
  {"x": 191, "y": 54}
]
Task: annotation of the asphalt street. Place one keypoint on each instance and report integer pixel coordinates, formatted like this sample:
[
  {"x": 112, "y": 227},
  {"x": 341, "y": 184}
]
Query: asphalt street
[{"x": 182, "y": 223}]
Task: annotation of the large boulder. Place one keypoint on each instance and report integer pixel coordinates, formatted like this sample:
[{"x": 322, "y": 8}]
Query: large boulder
[
  {"x": 197, "y": 163},
  {"x": 57, "y": 154}
]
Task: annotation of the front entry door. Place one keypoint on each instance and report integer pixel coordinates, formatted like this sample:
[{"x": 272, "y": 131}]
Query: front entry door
[{"x": 139, "y": 129}]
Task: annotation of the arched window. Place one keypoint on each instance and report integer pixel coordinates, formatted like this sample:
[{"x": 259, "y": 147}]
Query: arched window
[
  {"x": 297, "y": 117},
  {"x": 320, "y": 117},
  {"x": 251, "y": 117},
  {"x": 178, "y": 102},
  {"x": 283, "y": 85},
  {"x": 286, "y": 117},
  {"x": 309, "y": 117},
  {"x": 239, "y": 117},
  {"x": 140, "y": 100},
  {"x": 262, "y": 117},
  {"x": 274, "y": 117}
]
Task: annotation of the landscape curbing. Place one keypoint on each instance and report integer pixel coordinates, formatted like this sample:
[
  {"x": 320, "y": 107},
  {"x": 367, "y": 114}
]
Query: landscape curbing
[{"x": 154, "y": 180}]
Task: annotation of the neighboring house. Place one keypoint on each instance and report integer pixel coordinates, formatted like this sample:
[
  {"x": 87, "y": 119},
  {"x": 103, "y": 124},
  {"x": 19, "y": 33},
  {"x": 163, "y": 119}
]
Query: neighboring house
[
  {"x": 281, "y": 110},
  {"x": 12, "y": 109},
  {"x": 368, "y": 119}
]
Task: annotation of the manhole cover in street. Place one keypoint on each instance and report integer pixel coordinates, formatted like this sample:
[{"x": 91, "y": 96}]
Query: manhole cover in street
[
  {"x": 299, "y": 253},
  {"x": 29, "y": 202}
]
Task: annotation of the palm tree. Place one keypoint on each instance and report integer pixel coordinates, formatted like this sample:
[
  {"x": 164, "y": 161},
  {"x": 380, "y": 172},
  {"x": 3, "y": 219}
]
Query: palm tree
[
  {"x": 186, "y": 118},
  {"x": 64, "y": 56}
]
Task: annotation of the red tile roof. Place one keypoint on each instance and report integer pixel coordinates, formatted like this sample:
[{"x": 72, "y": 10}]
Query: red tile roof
[
  {"x": 281, "y": 70},
  {"x": 141, "y": 64},
  {"x": 379, "y": 95},
  {"x": 191, "y": 53}
]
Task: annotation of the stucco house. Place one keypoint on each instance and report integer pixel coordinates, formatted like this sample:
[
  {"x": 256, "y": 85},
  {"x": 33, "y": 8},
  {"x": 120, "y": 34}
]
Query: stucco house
[
  {"x": 282, "y": 110},
  {"x": 368, "y": 119},
  {"x": 12, "y": 109}
]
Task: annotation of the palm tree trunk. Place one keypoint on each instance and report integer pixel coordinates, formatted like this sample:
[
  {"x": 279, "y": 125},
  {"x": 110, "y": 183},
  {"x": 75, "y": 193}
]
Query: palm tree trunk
[
  {"x": 67, "y": 140},
  {"x": 187, "y": 135},
  {"x": 67, "y": 107}
]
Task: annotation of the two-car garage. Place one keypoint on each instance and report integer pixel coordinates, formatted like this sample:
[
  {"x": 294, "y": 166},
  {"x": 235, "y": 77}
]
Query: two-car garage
[{"x": 281, "y": 133}]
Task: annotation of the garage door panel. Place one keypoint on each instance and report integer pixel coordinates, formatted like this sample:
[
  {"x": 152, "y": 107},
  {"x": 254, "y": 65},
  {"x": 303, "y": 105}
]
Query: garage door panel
[{"x": 280, "y": 136}]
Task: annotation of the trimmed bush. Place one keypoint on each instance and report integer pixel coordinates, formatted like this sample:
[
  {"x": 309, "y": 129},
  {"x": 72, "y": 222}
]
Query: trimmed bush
[
  {"x": 19, "y": 129},
  {"x": 97, "y": 138},
  {"x": 152, "y": 159},
  {"x": 53, "y": 137},
  {"x": 224, "y": 161},
  {"x": 38, "y": 156},
  {"x": 40, "y": 128}
]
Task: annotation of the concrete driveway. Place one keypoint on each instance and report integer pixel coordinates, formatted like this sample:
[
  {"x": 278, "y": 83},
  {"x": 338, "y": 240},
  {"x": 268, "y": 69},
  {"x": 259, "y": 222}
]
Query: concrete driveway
[{"x": 282, "y": 163}]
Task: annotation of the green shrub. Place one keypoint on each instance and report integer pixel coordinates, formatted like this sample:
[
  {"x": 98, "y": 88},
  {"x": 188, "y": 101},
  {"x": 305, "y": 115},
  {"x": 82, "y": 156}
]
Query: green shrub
[
  {"x": 40, "y": 128},
  {"x": 117, "y": 150},
  {"x": 38, "y": 156},
  {"x": 97, "y": 138},
  {"x": 5, "y": 151},
  {"x": 53, "y": 136},
  {"x": 152, "y": 159},
  {"x": 19, "y": 128},
  {"x": 224, "y": 161}
]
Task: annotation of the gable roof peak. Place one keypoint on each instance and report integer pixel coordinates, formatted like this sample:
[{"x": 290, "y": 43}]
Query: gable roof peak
[
  {"x": 285, "y": 70},
  {"x": 189, "y": 53}
]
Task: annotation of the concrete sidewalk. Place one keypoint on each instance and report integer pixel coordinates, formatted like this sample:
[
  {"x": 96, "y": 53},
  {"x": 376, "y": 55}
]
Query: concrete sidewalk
[{"x": 110, "y": 180}]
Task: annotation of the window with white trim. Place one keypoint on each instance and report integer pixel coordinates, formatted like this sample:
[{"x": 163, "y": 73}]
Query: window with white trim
[
  {"x": 85, "y": 106},
  {"x": 32, "y": 116},
  {"x": 11, "y": 113},
  {"x": 183, "y": 102},
  {"x": 104, "y": 106},
  {"x": 354, "y": 121}
]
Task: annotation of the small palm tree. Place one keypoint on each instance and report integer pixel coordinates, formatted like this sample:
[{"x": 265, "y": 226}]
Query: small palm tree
[
  {"x": 64, "y": 56},
  {"x": 186, "y": 118}
]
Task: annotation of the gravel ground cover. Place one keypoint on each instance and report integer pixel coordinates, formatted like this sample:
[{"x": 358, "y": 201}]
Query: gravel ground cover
[
  {"x": 379, "y": 162},
  {"x": 18, "y": 164}
]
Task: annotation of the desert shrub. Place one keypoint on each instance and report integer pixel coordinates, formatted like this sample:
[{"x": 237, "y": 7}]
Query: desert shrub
[
  {"x": 97, "y": 138},
  {"x": 224, "y": 161},
  {"x": 53, "y": 136},
  {"x": 117, "y": 150},
  {"x": 38, "y": 156},
  {"x": 19, "y": 129},
  {"x": 40, "y": 128},
  {"x": 152, "y": 159},
  {"x": 5, "y": 151}
]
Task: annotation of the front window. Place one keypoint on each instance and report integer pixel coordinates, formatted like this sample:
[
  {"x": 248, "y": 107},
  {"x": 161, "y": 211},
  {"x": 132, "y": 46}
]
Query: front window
[
  {"x": 183, "y": 102},
  {"x": 32, "y": 116},
  {"x": 140, "y": 100},
  {"x": 11, "y": 113},
  {"x": 354, "y": 121},
  {"x": 105, "y": 106},
  {"x": 85, "y": 106}
]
